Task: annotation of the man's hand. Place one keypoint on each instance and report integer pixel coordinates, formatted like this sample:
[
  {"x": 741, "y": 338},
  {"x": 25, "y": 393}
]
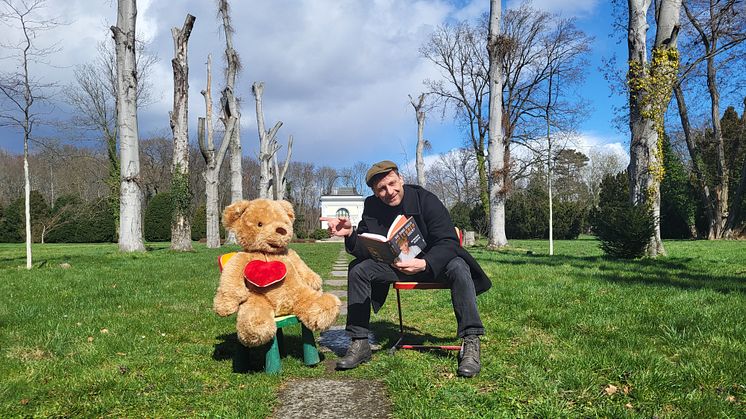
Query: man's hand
[
  {"x": 340, "y": 227},
  {"x": 411, "y": 267}
]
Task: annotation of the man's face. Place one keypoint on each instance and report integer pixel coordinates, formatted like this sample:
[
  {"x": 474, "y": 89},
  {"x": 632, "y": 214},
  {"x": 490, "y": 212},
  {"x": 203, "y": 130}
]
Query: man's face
[{"x": 390, "y": 189}]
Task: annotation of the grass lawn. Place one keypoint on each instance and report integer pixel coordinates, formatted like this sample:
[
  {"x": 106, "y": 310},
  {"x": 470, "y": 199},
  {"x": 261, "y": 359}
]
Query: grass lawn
[{"x": 572, "y": 335}]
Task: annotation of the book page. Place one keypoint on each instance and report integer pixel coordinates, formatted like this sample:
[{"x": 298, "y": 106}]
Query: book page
[
  {"x": 399, "y": 221},
  {"x": 374, "y": 236}
]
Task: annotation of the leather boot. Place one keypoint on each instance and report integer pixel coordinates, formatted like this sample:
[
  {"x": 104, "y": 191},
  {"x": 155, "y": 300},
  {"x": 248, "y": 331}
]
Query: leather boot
[
  {"x": 358, "y": 352},
  {"x": 468, "y": 360}
]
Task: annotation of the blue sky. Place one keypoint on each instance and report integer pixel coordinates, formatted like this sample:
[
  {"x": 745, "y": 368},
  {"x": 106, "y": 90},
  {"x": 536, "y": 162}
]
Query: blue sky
[{"x": 337, "y": 73}]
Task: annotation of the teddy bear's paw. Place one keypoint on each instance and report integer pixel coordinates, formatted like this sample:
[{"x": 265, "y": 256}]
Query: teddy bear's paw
[
  {"x": 256, "y": 336},
  {"x": 321, "y": 313},
  {"x": 224, "y": 308}
]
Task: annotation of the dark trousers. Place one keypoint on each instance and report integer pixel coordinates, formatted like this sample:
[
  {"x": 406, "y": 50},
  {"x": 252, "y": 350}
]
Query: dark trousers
[{"x": 456, "y": 274}]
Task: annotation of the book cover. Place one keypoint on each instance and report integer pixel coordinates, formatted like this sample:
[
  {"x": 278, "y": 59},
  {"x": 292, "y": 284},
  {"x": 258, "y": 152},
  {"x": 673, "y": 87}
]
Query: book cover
[{"x": 403, "y": 241}]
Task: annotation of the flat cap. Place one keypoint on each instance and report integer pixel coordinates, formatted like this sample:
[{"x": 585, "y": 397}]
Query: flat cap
[{"x": 384, "y": 166}]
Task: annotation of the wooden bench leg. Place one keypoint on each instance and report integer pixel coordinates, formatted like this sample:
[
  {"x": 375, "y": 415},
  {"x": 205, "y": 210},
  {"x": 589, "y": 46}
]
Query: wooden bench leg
[{"x": 310, "y": 353}]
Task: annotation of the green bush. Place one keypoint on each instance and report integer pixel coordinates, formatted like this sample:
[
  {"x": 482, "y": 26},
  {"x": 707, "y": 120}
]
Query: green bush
[
  {"x": 199, "y": 223},
  {"x": 623, "y": 229},
  {"x": 11, "y": 222},
  {"x": 460, "y": 215},
  {"x": 320, "y": 234},
  {"x": 90, "y": 222},
  {"x": 527, "y": 214},
  {"x": 157, "y": 220}
]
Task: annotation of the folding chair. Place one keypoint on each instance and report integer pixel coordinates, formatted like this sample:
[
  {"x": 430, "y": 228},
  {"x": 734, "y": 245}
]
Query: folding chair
[{"x": 402, "y": 285}]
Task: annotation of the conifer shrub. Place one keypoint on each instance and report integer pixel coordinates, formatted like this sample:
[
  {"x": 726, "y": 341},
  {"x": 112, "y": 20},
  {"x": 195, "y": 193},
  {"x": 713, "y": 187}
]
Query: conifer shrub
[
  {"x": 157, "y": 220},
  {"x": 624, "y": 229}
]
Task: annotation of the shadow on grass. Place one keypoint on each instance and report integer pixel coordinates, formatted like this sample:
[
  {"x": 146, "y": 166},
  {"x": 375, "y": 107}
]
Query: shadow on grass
[
  {"x": 251, "y": 360},
  {"x": 387, "y": 333},
  {"x": 683, "y": 273}
]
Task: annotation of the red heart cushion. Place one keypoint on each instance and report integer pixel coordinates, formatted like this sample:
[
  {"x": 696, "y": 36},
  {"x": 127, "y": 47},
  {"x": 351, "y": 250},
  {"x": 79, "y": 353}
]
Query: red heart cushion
[{"x": 263, "y": 274}]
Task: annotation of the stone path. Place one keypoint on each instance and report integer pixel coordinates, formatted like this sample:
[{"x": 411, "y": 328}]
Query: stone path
[
  {"x": 327, "y": 398},
  {"x": 334, "y": 398},
  {"x": 337, "y": 285}
]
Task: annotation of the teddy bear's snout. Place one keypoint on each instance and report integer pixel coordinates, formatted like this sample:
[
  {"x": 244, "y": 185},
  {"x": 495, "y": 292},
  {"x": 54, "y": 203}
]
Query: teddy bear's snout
[{"x": 281, "y": 231}]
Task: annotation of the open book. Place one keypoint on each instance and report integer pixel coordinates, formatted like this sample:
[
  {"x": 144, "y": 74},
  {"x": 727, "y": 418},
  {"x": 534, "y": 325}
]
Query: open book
[{"x": 403, "y": 241}]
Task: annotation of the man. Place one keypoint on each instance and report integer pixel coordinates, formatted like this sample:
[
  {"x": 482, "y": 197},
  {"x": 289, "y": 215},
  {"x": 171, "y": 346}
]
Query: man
[{"x": 442, "y": 260}]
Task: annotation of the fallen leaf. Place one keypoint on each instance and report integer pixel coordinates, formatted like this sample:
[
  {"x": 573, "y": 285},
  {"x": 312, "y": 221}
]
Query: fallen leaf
[
  {"x": 123, "y": 369},
  {"x": 104, "y": 330},
  {"x": 24, "y": 402},
  {"x": 626, "y": 390},
  {"x": 78, "y": 324},
  {"x": 90, "y": 338},
  {"x": 121, "y": 353},
  {"x": 731, "y": 399},
  {"x": 628, "y": 406},
  {"x": 611, "y": 389}
]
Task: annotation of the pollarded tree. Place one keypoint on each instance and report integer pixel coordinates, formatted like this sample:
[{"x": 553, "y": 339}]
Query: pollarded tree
[
  {"x": 181, "y": 229},
  {"x": 272, "y": 180},
  {"x": 130, "y": 213},
  {"x": 650, "y": 90},
  {"x": 419, "y": 110},
  {"x": 213, "y": 158}
]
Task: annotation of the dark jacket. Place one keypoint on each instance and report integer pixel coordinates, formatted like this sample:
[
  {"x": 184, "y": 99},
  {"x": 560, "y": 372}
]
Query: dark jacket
[{"x": 436, "y": 227}]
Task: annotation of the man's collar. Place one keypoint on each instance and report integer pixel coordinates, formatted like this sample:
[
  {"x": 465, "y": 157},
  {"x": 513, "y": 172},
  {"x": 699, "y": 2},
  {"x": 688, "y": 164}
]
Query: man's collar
[{"x": 410, "y": 204}]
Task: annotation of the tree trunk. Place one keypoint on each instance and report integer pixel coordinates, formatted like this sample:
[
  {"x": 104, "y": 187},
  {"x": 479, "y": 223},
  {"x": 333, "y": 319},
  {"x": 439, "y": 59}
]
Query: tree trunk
[
  {"x": 280, "y": 182},
  {"x": 181, "y": 228},
  {"x": 696, "y": 161},
  {"x": 130, "y": 208},
  {"x": 720, "y": 201},
  {"x": 230, "y": 108},
  {"x": 419, "y": 159},
  {"x": 213, "y": 160},
  {"x": 735, "y": 211},
  {"x": 27, "y": 191},
  {"x": 497, "y": 147},
  {"x": 267, "y": 145},
  {"x": 650, "y": 93}
]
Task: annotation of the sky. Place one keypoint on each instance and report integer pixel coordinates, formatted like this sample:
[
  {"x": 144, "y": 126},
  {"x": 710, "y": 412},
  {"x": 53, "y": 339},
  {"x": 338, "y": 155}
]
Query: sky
[{"x": 337, "y": 73}]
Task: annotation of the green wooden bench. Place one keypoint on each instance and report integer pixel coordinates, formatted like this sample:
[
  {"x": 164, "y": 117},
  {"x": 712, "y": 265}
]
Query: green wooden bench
[{"x": 272, "y": 359}]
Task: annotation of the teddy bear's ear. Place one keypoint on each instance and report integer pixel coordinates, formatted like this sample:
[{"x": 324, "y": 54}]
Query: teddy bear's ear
[
  {"x": 233, "y": 212},
  {"x": 288, "y": 208}
]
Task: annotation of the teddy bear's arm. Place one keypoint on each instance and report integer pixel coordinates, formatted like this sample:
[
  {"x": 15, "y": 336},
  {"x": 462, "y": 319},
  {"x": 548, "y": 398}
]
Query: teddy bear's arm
[
  {"x": 231, "y": 291},
  {"x": 309, "y": 277}
]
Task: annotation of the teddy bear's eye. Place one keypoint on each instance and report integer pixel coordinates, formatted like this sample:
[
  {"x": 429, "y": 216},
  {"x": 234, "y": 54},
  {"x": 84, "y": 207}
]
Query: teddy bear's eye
[{"x": 259, "y": 224}]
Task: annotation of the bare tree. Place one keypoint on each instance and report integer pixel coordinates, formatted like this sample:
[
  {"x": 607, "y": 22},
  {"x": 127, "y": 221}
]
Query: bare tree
[
  {"x": 130, "y": 212},
  {"x": 419, "y": 110},
  {"x": 527, "y": 43},
  {"x": 717, "y": 30},
  {"x": 453, "y": 177},
  {"x": 497, "y": 146},
  {"x": 651, "y": 86},
  {"x": 21, "y": 89},
  {"x": 459, "y": 52},
  {"x": 181, "y": 228},
  {"x": 271, "y": 179},
  {"x": 93, "y": 97},
  {"x": 213, "y": 159}
]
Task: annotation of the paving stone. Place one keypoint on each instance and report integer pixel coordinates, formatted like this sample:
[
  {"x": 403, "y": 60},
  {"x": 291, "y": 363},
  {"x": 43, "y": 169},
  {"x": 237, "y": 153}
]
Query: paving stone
[
  {"x": 339, "y": 293},
  {"x": 327, "y": 398},
  {"x": 339, "y": 273},
  {"x": 336, "y": 282},
  {"x": 336, "y": 340}
]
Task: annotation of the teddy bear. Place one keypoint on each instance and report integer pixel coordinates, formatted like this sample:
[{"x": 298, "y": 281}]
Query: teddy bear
[{"x": 268, "y": 279}]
